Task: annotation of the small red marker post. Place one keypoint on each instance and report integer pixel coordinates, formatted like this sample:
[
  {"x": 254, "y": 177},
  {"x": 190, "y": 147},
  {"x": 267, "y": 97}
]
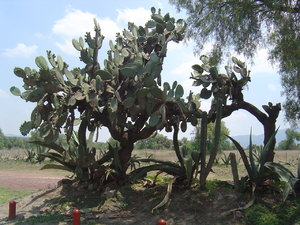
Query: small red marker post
[
  {"x": 12, "y": 210},
  {"x": 76, "y": 217},
  {"x": 161, "y": 222}
]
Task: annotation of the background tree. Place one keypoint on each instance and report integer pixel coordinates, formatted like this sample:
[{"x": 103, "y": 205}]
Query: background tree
[
  {"x": 246, "y": 25},
  {"x": 223, "y": 145},
  {"x": 158, "y": 142},
  {"x": 289, "y": 143},
  {"x": 2, "y": 139},
  {"x": 13, "y": 142}
]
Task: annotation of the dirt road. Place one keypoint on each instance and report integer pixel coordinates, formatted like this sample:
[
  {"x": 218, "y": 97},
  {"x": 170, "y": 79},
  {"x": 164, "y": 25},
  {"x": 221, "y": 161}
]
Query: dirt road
[{"x": 28, "y": 180}]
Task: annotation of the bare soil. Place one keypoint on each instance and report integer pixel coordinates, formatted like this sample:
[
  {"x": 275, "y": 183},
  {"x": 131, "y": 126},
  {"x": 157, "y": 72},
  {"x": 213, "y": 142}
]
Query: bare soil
[
  {"x": 130, "y": 204},
  {"x": 29, "y": 180}
]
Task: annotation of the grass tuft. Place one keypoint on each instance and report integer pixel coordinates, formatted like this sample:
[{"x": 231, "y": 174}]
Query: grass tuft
[
  {"x": 7, "y": 194},
  {"x": 274, "y": 214}
]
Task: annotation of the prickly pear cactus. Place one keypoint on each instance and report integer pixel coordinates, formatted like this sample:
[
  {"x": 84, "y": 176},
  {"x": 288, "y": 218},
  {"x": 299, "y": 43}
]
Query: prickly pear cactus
[
  {"x": 126, "y": 95},
  {"x": 217, "y": 85}
]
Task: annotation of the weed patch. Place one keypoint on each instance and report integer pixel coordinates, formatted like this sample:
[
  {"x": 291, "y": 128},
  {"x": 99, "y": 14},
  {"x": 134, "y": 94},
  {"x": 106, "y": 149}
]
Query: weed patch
[
  {"x": 274, "y": 214},
  {"x": 41, "y": 219},
  {"x": 7, "y": 194}
]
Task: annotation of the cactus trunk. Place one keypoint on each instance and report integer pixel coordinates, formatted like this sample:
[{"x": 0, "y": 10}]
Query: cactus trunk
[
  {"x": 215, "y": 149},
  {"x": 203, "y": 149},
  {"x": 125, "y": 154},
  {"x": 269, "y": 130},
  {"x": 234, "y": 170}
]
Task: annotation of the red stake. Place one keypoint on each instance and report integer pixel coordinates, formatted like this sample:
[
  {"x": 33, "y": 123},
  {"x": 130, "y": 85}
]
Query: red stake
[
  {"x": 76, "y": 217},
  {"x": 161, "y": 222},
  {"x": 12, "y": 210}
]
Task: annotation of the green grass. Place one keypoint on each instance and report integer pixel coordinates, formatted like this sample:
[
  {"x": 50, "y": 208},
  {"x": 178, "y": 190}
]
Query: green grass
[
  {"x": 274, "y": 214},
  {"x": 42, "y": 219},
  {"x": 160, "y": 179},
  {"x": 11, "y": 165},
  {"x": 7, "y": 194}
]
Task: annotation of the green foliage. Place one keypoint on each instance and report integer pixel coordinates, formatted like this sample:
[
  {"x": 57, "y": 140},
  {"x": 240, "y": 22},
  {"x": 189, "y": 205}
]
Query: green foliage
[
  {"x": 2, "y": 139},
  {"x": 261, "y": 215},
  {"x": 225, "y": 159},
  {"x": 34, "y": 155},
  {"x": 215, "y": 84},
  {"x": 244, "y": 25},
  {"x": 30, "y": 156},
  {"x": 289, "y": 142},
  {"x": 224, "y": 143},
  {"x": 230, "y": 89},
  {"x": 126, "y": 95},
  {"x": 282, "y": 213},
  {"x": 78, "y": 157},
  {"x": 189, "y": 161},
  {"x": 260, "y": 170},
  {"x": 285, "y": 175},
  {"x": 13, "y": 142},
  {"x": 158, "y": 142},
  {"x": 39, "y": 219},
  {"x": 255, "y": 165},
  {"x": 7, "y": 194}
]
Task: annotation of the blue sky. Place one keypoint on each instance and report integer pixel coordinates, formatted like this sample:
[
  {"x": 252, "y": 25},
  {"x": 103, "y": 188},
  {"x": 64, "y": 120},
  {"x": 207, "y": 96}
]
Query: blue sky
[{"x": 31, "y": 27}]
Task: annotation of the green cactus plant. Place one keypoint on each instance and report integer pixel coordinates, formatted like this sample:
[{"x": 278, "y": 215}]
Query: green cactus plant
[
  {"x": 255, "y": 167},
  {"x": 126, "y": 95},
  {"x": 187, "y": 168},
  {"x": 231, "y": 85}
]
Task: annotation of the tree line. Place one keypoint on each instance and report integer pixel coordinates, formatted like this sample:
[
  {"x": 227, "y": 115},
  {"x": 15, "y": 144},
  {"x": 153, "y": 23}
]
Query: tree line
[
  {"x": 13, "y": 142},
  {"x": 290, "y": 143},
  {"x": 160, "y": 141}
]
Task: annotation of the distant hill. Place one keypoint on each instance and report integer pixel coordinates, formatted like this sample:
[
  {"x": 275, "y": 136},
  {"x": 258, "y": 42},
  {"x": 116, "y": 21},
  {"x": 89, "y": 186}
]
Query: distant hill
[{"x": 258, "y": 139}]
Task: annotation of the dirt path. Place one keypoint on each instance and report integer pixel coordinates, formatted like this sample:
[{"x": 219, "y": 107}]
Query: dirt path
[
  {"x": 41, "y": 183},
  {"x": 28, "y": 180}
]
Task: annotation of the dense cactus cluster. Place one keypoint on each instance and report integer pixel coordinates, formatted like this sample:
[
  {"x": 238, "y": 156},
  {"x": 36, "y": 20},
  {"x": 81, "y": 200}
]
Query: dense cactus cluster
[{"x": 126, "y": 95}]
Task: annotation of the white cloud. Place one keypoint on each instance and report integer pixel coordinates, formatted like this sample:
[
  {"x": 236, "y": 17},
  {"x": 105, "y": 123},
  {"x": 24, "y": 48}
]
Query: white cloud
[
  {"x": 20, "y": 50},
  {"x": 205, "y": 105},
  {"x": 240, "y": 123},
  {"x": 3, "y": 94},
  {"x": 188, "y": 86},
  {"x": 76, "y": 23},
  {"x": 272, "y": 87},
  {"x": 159, "y": 5},
  {"x": 261, "y": 64},
  {"x": 109, "y": 28},
  {"x": 173, "y": 46},
  {"x": 67, "y": 47},
  {"x": 138, "y": 16},
  {"x": 182, "y": 69},
  {"x": 186, "y": 66}
]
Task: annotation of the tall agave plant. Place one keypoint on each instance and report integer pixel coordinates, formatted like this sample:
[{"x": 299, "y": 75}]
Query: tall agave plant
[
  {"x": 77, "y": 157},
  {"x": 255, "y": 166}
]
